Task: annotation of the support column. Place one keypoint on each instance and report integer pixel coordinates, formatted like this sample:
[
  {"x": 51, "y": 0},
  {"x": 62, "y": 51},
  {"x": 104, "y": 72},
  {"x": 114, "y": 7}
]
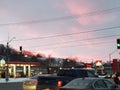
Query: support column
[
  {"x": 29, "y": 73},
  {"x": 24, "y": 70},
  {"x": 14, "y": 71}
]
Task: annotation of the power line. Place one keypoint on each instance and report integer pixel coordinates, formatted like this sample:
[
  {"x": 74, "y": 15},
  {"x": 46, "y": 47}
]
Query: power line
[
  {"x": 83, "y": 45},
  {"x": 64, "y": 43},
  {"x": 75, "y": 16},
  {"x": 105, "y": 11},
  {"x": 69, "y": 34},
  {"x": 60, "y": 35}
]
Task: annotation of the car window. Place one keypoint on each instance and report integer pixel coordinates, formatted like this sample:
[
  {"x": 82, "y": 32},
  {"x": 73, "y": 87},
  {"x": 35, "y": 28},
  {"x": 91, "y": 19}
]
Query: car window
[
  {"x": 70, "y": 73},
  {"x": 82, "y": 83},
  {"x": 90, "y": 73},
  {"x": 99, "y": 84},
  {"x": 108, "y": 83},
  {"x": 82, "y": 73},
  {"x": 66, "y": 73}
]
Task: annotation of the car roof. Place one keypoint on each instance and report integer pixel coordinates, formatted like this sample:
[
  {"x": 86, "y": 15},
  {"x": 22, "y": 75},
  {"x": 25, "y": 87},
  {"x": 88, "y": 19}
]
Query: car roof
[
  {"x": 43, "y": 75},
  {"x": 77, "y": 69},
  {"x": 89, "y": 78}
]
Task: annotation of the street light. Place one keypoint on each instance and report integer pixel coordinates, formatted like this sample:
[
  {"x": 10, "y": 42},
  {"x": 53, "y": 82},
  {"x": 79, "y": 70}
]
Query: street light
[{"x": 7, "y": 67}]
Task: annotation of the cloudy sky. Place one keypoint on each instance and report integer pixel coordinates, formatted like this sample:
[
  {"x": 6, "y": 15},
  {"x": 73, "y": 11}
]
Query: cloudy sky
[{"x": 86, "y": 29}]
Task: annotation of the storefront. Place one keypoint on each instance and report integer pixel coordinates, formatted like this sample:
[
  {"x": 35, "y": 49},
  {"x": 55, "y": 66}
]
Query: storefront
[{"x": 20, "y": 69}]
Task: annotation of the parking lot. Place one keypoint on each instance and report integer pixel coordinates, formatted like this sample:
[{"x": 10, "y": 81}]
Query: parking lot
[
  {"x": 12, "y": 84},
  {"x": 16, "y": 84}
]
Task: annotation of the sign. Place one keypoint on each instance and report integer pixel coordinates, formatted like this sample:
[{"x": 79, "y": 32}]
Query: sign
[
  {"x": 115, "y": 65},
  {"x": 98, "y": 62}
]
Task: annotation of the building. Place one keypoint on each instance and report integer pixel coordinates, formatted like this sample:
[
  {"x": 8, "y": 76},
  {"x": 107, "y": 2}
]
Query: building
[{"x": 19, "y": 69}]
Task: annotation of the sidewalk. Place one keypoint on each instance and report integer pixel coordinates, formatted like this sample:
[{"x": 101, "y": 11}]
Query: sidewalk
[{"x": 3, "y": 80}]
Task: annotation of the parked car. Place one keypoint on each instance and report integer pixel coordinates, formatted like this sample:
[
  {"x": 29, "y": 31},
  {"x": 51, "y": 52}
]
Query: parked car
[
  {"x": 55, "y": 81},
  {"x": 89, "y": 84},
  {"x": 77, "y": 72},
  {"x": 45, "y": 82}
]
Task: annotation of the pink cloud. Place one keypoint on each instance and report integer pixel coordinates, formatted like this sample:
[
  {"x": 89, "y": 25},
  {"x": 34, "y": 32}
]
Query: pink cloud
[
  {"x": 81, "y": 37},
  {"x": 24, "y": 30},
  {"x": 3, "y": 11},
  {"x": 89, "y": 57},
  {"x": 104, "y": 18},
  {"x": 47, "y": 53},
  {"x": 77, "y": 8}
]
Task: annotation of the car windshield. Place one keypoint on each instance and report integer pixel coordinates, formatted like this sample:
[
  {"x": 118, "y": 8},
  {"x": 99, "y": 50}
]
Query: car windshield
[{"x": 79, "y": 83}]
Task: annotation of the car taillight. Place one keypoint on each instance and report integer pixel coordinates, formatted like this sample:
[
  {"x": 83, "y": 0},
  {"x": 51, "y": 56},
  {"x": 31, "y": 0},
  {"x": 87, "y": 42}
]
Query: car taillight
[
  {"x": 59, "y": 83},
  {"x": 36, "y": 82}
]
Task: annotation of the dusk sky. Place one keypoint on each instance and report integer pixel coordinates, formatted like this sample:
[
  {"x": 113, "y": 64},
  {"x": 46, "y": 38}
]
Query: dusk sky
[{"x": 85, "y": 29}]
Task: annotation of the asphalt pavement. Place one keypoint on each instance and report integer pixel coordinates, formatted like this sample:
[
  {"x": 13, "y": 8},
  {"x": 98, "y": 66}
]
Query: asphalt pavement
[
  {"x": 16, "y": 84},
  {"x": 3, "y": 80},
  {"x": 11, "y": 84}
]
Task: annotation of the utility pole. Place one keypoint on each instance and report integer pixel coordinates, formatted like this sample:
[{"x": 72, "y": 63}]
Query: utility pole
[
  {"x": 7, "y": 55},
  {"x": 7, "y": 67},
  {"x": 111, "y": 54}
]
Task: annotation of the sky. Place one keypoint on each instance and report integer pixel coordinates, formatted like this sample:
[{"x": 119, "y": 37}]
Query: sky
[{"x": 82, "y": 29}]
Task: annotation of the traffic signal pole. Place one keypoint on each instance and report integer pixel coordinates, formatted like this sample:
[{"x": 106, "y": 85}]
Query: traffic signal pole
[{"x": 111, "y": 54}]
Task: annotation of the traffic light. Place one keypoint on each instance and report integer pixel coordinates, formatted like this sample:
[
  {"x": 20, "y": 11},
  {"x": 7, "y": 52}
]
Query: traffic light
[
  {"x": 20, "y": 50},
  {"x": 118, "y": 43}
]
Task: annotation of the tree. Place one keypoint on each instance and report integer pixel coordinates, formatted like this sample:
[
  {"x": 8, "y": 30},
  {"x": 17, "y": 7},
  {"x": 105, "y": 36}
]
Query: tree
[
  {"x": 2, "y": 49},
  {"x": 68, "y": 63}
]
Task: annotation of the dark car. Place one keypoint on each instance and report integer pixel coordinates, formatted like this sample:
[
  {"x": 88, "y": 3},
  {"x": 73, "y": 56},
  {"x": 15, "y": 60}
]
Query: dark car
[
  {"x": 77, "y": 72},
  {"x": 55, "y": 81},
  {"x": 45, "y": 82},
  {"x": 89, "y": 84}
]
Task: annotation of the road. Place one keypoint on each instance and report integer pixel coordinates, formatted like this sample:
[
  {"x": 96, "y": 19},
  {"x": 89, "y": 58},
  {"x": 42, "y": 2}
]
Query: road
[
  {"x": 15, "y": 84},
  {"x": 11, "y": 86}
]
